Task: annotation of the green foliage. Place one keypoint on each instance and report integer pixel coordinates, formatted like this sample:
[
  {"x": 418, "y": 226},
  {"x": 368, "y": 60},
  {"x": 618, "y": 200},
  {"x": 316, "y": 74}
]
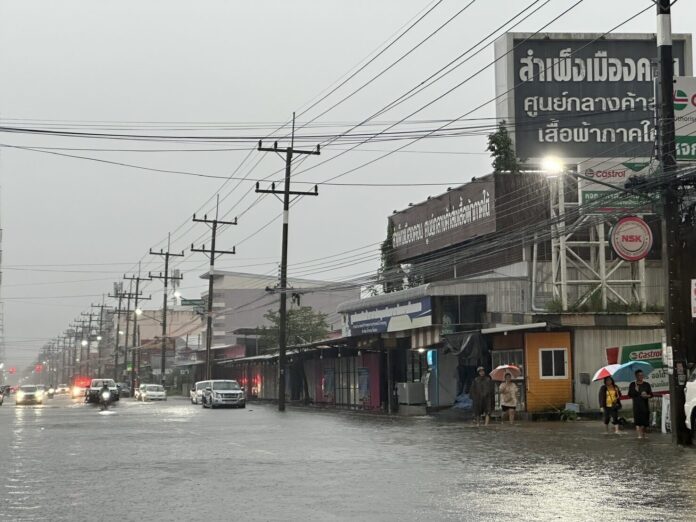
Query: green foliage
[
  {"x": 390, "y": 275},
  {"x": 502, "y": 151},
  {"x": 304, "y": 324}
]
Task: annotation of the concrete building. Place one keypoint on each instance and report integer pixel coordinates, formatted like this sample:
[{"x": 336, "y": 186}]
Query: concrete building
[{"x": 240, "y": 301}]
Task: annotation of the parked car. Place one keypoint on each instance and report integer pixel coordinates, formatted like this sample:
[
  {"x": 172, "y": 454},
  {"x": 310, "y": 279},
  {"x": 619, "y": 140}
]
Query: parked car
[
  {"x": 29, "y": 394},
  {"x": 153, "y": 392},
  {"x": 197, "y": 391},
  {"x": 95, "y": 388},
  {"x": 62, "y": 389},
  {"x": 690, "y": 404},
  {"x": 123, "y": 389},
  {"x": 220, "y": 393}
]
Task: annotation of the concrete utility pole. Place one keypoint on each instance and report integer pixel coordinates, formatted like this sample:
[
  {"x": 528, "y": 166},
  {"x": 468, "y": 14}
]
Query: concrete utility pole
[
  {"x": 118, "y": 294},
  {"x": 137, "y": 297},
  {"x": 212, "y": 254},
  {"x": 100, "y": 337},
  {"x": 89, "y": 336},
  {"x": 286, "y": 192},
  {"x": 165, "y": 277},
  {"x": 672, "y": 252}
]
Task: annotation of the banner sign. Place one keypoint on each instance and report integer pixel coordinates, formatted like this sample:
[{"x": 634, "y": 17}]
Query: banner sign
[
  {"x": 685, "y": 117},
  {"x": 650, "y": 353},
  {"x": 598, "y": 198},
  {"x": 415, "y": 313},
  {"x": 445, "y": 220},
  {"x": 578, "y": 96}
]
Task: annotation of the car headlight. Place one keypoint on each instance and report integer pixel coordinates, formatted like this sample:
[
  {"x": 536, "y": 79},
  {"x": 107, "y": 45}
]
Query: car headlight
[
  {"x": 20, "y": 395},
  {"x": 51, "y": 390}
]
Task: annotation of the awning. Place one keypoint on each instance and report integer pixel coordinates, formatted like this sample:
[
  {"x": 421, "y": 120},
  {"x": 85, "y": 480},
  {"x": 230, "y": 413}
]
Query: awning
[
  {"x": 425, "y": 337},
  {"x": 512, "y": 327}
]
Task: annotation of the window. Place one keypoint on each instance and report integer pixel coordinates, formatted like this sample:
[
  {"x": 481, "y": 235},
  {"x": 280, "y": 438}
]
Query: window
[{"x": 552, "y": 363}]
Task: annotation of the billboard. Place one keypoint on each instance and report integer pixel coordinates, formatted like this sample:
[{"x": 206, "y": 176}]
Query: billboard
[
  {"x": 598, "y": 198},
  {"x": 648, "y": 352},
  {"x": 685, "y": 117},
  {"x": 444, "y": 220},
  {"x": 580, "y": 96},
  {"x": 414, "y": 313}
]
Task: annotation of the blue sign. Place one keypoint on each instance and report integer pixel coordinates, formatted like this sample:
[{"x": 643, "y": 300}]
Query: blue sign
[{"x": 415, "y": 313}]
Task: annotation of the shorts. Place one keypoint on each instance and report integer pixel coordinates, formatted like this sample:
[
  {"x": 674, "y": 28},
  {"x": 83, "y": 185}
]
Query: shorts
[
  {"x": 508, "y": 408},
  {"x": 612, "y": 413}
]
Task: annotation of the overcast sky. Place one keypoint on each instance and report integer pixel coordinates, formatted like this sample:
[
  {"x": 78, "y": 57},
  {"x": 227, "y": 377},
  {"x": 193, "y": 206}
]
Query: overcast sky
[{"x": 72, "y": 226}]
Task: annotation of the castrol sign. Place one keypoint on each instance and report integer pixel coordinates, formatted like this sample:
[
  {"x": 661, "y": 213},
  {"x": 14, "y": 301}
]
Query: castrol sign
[{"x": 631, "y": 238}]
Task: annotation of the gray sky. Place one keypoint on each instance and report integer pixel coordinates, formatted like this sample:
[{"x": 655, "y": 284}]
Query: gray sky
[{"x": 221, "y": 62}]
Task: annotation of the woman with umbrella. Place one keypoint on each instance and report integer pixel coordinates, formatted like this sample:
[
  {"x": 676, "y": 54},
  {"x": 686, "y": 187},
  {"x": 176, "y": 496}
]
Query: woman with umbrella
[{"x": 610, "y": 403}]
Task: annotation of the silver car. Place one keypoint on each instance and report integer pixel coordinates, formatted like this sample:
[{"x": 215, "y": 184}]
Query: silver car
[{"x": 220, "y": 393}]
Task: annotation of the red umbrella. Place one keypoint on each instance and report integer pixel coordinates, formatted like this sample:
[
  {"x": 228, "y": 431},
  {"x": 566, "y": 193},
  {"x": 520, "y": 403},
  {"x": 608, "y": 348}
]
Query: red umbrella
[
  {"x": 605, "y": 371},
  {"x": 498, "y": 374}
]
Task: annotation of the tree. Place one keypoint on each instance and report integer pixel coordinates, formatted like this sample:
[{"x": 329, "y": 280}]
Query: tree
[
  {"x": 304, "y": 324},
  {"x": 390, "y": 274},
  {"x": 502, "y": 151}
]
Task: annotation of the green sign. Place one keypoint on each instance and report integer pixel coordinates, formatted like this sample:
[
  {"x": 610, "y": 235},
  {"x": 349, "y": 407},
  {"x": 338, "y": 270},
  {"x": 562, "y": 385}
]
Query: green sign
[
  {"x": 193, "y": 302},
  {"x": 686, "y": 147},
  {"x": 650, "y": 353}
]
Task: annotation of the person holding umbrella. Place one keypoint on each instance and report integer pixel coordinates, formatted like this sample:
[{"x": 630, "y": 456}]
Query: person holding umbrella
[
  {"x": 610, "y": 403},
  {"x": 508, "y": 397},
  {"x": 640, "y": 391},
  {"x": 482, "y": 396}
]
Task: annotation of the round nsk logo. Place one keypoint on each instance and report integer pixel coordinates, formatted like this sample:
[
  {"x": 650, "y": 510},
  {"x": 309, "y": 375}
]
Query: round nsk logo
[{"x": 631, "y": 238}]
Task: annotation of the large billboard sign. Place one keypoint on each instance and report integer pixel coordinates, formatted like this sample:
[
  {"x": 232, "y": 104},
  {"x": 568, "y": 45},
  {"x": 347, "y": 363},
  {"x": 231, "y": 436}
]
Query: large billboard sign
[
  {"x": 445, "y": 220},
  {"x": 580, "y": 96},
  {"x": 650, "y": 353},
  {"x": 595, "y": 192},
  {"x": 415, "y": 313},
  {"x": 685, "y": 117}
]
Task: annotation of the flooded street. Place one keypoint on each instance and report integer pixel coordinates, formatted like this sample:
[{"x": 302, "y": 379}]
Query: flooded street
[{"x": 176, "y": 461}]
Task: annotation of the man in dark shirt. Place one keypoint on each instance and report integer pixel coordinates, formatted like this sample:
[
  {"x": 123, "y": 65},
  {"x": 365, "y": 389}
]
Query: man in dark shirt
[{"x": 640, "y": 391}]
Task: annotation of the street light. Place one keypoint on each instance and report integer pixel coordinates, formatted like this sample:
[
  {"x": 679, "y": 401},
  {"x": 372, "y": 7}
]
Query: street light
[
  {"x": 552, "y": 166},
  {"x": 138, "y": 311},
  {"x": 99, "y": 337},
  {"x": 121, "y": 332},
  {"x": 84, "y": 342}
]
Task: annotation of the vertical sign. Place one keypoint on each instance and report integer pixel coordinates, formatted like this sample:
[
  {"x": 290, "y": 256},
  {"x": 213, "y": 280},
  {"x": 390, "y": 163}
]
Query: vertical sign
[
  {"x": 684, "y": 97},
  {"x": 693, "y": 298}
]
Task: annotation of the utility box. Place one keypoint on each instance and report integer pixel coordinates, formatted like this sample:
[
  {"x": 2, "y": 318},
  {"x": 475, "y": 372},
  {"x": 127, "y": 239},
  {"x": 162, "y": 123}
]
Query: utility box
[{"x": 410, "y": 392}]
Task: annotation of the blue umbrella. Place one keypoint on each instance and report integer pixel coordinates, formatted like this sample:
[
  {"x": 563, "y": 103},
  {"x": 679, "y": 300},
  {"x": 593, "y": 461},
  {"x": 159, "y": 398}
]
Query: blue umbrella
[{"x": 626, "y": 372}]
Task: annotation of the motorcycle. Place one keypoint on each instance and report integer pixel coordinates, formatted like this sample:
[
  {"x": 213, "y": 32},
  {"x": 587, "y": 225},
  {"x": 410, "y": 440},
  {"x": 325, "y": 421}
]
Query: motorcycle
[{"x": 104, "y": 399}]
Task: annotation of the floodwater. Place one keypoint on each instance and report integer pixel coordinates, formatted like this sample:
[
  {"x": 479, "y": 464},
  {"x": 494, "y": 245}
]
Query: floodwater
[{"x": 176, "y": 461}]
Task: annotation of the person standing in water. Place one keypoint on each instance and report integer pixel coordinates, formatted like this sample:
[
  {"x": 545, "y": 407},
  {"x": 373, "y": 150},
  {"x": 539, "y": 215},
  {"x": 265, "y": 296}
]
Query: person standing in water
[{"x": 640, "y": 391}]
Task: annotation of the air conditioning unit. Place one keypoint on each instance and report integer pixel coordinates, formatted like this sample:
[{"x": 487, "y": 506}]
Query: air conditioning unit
[{"x": 411, "y": 393}]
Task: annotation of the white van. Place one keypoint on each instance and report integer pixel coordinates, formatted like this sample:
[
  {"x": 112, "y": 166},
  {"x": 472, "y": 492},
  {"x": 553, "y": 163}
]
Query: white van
[{"x": 197, "y": 391}]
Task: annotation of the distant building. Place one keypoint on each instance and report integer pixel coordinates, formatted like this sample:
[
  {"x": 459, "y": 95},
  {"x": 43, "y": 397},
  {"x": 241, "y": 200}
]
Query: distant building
[{"x": 240, "y": 301}]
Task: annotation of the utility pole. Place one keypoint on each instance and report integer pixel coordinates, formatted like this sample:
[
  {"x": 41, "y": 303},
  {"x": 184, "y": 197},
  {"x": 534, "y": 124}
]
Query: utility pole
[
  {"x": 100, "y": 337},
  {"x": 118, "y": 294},
  {"x": 137, "y": 297},
  {"x": 212, "y": 253},
  {"x": 166, "y": 277},
  {"x": 286, "y": 192},
  {"x": 82, "y": 342},
  {"x": 672, "y": 251}
]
